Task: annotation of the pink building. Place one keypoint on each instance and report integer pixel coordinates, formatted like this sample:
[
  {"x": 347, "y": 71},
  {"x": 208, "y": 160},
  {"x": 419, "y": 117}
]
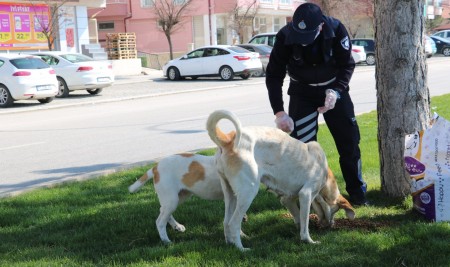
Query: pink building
[{"x": 206, "y": 22}]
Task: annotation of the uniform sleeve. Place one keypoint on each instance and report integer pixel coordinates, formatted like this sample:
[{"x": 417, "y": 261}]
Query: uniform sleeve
[
  {"x": 342, "y": 48},
  {"x": 276, "y": 72}
]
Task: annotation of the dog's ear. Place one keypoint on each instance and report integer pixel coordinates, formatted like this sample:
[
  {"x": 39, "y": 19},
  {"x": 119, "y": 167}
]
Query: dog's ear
[{"x": 344, "y": 204}]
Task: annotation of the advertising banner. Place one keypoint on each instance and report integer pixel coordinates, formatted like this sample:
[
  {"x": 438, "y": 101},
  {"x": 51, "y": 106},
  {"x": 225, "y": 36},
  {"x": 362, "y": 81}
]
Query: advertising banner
[{"x": 21, "y": 26}]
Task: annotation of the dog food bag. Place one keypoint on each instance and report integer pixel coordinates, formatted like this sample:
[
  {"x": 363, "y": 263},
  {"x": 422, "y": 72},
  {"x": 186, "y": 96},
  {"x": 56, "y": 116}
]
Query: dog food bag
[{"x": 427, "y": 160}]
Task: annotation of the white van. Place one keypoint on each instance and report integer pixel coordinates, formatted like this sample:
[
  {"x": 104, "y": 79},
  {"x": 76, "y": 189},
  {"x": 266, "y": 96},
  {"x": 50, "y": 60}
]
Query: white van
[{"x": 264, "y": 38}]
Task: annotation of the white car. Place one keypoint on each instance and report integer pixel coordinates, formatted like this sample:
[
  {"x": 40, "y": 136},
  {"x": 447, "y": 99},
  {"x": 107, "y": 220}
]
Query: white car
[
  {"x": 78, "y": 72},
  {"x": 25, "y": 77},
  {"x": 358, "y": 53},
  {"x": 224, "y": 61}
]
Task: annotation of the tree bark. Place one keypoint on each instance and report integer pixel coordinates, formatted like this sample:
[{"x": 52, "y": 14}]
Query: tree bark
[{"x": 403, "y": 101}]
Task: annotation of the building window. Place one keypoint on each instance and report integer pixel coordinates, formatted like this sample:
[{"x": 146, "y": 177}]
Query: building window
[
  {"x": 260, "y": 25},
  {"x": 179, "y": 2},
  {"x": 106, "y": 26},
  {"x": 276, "y": 24},
  {"x": 266, "y": 1},
  {"x": 285, "y": 2},
  {"x": 147, "y": 3}
]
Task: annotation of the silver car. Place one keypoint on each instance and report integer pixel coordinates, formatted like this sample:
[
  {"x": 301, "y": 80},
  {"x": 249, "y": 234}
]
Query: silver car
[{"x": 264, "y": 54}]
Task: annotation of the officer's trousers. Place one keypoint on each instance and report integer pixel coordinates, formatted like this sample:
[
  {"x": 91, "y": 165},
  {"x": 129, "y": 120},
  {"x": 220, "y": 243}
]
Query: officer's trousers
[{"x": 343, "y": 126}]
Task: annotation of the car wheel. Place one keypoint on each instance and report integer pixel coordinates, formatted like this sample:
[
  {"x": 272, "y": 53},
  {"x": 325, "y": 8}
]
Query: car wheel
[
  {"x": 173, "y": 74},
  {"x": 446, "y": 51},
  {"x": 370, "y": 59},
  {"x": 258, "y": 73},
  {"x": 6, "y": 99},
  {"x": 46, "y": 100},
  {"x": 226, "y": 73},
  {"x": 63, "y": 90},
  {"x": 245, "y": 76},
  {"x": 95, "y": 91}
]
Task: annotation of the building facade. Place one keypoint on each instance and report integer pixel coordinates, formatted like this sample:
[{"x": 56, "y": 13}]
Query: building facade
[
  {"x": 22, "y": 23},
  {"x": 205, "y": 22}
]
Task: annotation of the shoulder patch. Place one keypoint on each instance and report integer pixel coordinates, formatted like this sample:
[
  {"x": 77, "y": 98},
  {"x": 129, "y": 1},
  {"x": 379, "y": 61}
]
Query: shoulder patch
[{"x": 345, "y": 43}]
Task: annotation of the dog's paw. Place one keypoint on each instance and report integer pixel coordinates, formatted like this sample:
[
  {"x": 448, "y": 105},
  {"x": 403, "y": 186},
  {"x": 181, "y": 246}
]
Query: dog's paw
[
  {"x": 180, "y": 228},
  {"x": 309, "y": 241},
  {"x": 166, "y": 242},
  {"x": 243, "y": 235}
]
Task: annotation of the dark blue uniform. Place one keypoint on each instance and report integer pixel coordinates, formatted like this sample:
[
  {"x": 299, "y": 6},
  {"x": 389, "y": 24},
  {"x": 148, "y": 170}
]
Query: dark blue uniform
[{"x": 327, "y": 63}]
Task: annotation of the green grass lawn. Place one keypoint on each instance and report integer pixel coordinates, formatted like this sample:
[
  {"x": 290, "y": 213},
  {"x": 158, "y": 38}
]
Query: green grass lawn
[{"x": 98, "y": 223}]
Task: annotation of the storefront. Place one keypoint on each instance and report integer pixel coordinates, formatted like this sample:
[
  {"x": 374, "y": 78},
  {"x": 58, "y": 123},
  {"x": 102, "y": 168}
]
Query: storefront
[{"x": 27, "y": 25}]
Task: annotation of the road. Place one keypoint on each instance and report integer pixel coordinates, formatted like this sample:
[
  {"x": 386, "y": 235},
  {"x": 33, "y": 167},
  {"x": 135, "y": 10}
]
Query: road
[{"x": 138, "y": 121}]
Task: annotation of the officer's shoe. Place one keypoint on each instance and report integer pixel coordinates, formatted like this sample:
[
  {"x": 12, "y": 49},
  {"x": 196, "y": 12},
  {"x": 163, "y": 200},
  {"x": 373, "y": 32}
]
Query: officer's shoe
[{"x": 358, "y": 201}]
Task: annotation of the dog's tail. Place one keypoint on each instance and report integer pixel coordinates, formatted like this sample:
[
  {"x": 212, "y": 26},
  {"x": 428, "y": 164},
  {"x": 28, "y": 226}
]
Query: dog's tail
[
  {"x": 141, "y": 181},
  {"x": 217, "y": 136}
]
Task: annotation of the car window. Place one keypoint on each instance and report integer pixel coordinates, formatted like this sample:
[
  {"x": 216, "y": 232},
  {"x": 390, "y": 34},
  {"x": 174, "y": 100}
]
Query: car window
[
  {"x": 209, "y": 52},
  {"x": 74, "y": 58},
  {"x": 2, "y": 62},
  {"x": 238, "y": 49},
  {"x": 49, "y": 59},
  {"x": 196, "y": 54},
  {"x": 249, "y": 48},
  {"x": 222, "y": 52},
  {"x": 29, "y": 63},
  {"x": 259, "y": 40},
  {"x": 271, "y": 40}
]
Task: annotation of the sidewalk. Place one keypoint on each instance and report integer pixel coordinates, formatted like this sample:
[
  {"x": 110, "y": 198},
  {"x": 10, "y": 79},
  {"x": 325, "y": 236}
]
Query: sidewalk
[{"x": 146, "y": 75}]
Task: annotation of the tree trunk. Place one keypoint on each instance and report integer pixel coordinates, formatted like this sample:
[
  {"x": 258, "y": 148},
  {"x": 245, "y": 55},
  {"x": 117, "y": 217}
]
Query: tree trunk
[
  {"x": 169, "y": 40},
  {"x": 403, "y": 101}
]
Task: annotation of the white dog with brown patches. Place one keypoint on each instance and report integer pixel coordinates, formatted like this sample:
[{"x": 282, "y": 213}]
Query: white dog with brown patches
[
  {"x": 176, "y": 178},
  {"x": 296, "y": 171}
]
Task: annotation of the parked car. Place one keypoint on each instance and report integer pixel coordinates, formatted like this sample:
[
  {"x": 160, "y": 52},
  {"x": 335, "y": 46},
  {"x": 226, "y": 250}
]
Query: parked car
[
  {"x": 430, "y": 47},
  {"x": 442, "y": 45},
  {"x": 76, "y": 71},
  {"x": 264, "y": 54},
  {"x": 224, "y": 61},
  {"x": 369, "y": 48},
  {"x": 443, "y": 34},
  {"x": 25, "y": 77},
  {"x": 264, "y": 38},
  {"x": 358, "y": 53}
]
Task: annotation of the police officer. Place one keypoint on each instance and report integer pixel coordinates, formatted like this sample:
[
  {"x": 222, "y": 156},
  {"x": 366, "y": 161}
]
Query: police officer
[{"x": 316, "y": 51}]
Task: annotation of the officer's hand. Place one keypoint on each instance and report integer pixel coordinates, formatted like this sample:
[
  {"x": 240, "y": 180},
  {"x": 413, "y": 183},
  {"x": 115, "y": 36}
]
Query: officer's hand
[
  {"x": 330, "y": 100},
  {"x": 284, "y": 122}
]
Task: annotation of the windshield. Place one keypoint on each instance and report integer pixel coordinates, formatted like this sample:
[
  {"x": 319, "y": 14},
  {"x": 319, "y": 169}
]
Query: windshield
[
  {"x": 29, "y": 63},
  {"x": 238, "y": 49},
  {"x": 74, "y": 58}
]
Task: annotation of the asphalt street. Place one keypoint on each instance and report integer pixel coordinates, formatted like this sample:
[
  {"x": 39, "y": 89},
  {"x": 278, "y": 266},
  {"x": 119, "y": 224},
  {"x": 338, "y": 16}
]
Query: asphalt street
[{"x": 152, "y": 83}]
